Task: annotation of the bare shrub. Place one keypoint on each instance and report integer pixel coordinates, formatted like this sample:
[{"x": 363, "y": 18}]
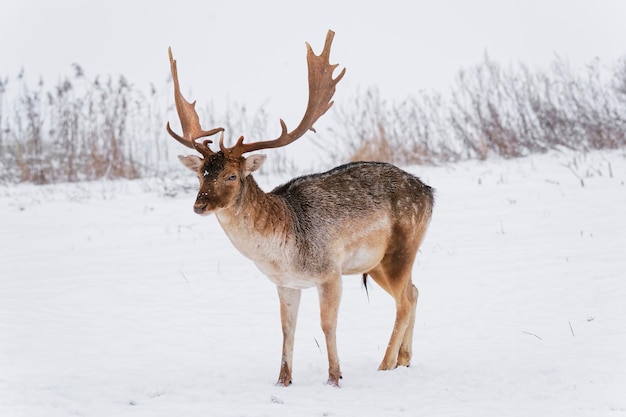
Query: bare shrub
[
  {"x": 376, "y": 149},
  {"x": 509, "y": 112},
  {"x": 78, "y": 130},
  {"x": 369, "y": 128},
  {"x": 85, "y": 129}
]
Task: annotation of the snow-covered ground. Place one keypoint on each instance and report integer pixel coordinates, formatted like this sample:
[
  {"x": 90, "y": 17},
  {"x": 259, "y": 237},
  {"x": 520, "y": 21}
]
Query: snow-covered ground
[{"x": 116, "y": 300}]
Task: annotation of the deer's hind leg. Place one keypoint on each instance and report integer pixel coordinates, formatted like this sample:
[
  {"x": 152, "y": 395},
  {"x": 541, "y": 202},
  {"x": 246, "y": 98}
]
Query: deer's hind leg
[
  {"x": 393, "y": 274},
  {"x": 406, "y": 347}
]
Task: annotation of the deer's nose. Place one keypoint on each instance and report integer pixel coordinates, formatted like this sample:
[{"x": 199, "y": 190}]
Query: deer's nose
[{"x": 199, "y": 207}]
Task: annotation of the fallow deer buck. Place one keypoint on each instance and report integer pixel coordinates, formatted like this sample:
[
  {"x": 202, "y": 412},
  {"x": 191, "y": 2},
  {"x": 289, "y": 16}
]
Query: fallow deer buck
[{"x": 361, "y": 218}]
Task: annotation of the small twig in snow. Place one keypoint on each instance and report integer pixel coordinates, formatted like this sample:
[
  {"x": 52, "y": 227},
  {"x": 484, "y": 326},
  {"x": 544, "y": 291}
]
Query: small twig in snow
[
  {"x": 571, "y": 328},
  {"x": 318, "y": 345},
  {"x": 532, "y": 334},
  {"x": 582, "y": 182},
  {"x": 276, "y": 400}
]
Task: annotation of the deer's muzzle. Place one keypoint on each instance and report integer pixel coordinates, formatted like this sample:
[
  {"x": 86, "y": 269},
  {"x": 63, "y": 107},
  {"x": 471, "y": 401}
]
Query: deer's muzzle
[{"x": 201, "y": 204}]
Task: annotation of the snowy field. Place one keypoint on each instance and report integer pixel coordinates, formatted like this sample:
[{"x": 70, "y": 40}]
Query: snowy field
[{"x": 117, "y": 300}]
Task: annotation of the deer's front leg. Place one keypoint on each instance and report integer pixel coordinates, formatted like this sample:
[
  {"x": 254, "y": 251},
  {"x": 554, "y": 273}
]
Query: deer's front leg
[
  {"x": 330, "y": 296},
  {"x": 289, "y": 303}
]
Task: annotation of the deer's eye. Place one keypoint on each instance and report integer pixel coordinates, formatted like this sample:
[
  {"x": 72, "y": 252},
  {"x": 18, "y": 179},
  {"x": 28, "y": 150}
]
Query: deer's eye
[{"x": 231, "y": 177}]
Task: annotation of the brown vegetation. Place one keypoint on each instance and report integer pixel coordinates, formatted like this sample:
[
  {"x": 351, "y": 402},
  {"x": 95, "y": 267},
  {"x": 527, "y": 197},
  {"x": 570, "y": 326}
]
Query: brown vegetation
[
  {"x": 85, "y": 129},
  {"x": 509, "y": 112}
]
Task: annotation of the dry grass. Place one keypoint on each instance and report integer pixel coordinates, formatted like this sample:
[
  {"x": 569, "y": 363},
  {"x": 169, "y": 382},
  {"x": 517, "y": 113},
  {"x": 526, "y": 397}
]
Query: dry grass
[
  {"x": 491, "y": 110},
  {"x": 78, "y": 130},
  {"x": 84, "y": 129}
]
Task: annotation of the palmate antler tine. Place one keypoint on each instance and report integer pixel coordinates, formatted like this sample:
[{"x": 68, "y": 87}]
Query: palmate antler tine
[
  {"x": 321, "y": 90},
  {"x": 189, "y": 119}
]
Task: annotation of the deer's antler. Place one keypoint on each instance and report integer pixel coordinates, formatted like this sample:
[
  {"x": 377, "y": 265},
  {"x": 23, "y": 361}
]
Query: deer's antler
[
  {"x": 189, "y": 119},
  {"x": 321, "y": 90}
]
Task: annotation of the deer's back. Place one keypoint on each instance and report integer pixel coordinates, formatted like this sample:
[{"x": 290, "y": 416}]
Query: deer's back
[
  {"x": 356, "y": 189},
  {"x": 360, "y": 205}
]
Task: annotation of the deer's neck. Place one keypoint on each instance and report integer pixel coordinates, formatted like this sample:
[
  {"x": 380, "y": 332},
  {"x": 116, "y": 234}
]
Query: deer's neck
[{"x": 258, "y": 224}]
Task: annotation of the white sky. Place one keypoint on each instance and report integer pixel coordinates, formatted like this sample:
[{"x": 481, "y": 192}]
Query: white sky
[{"x": 253, "y": 51}]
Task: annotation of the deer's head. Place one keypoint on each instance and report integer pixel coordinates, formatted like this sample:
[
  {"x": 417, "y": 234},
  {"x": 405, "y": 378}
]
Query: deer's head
[
  {"x": 221, "y": 178},
  {"x": 222, "y": 173}
]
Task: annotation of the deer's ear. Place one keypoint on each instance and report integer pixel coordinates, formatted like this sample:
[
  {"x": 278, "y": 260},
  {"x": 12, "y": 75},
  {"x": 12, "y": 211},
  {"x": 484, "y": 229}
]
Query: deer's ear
[
  {"x": 191, "y": 161},
  {"x": 253, "y": 162}
]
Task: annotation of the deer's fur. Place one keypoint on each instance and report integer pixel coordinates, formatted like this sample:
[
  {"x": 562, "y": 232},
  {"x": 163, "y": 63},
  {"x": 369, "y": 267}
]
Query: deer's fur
[{"x": 359, "y": 218}]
